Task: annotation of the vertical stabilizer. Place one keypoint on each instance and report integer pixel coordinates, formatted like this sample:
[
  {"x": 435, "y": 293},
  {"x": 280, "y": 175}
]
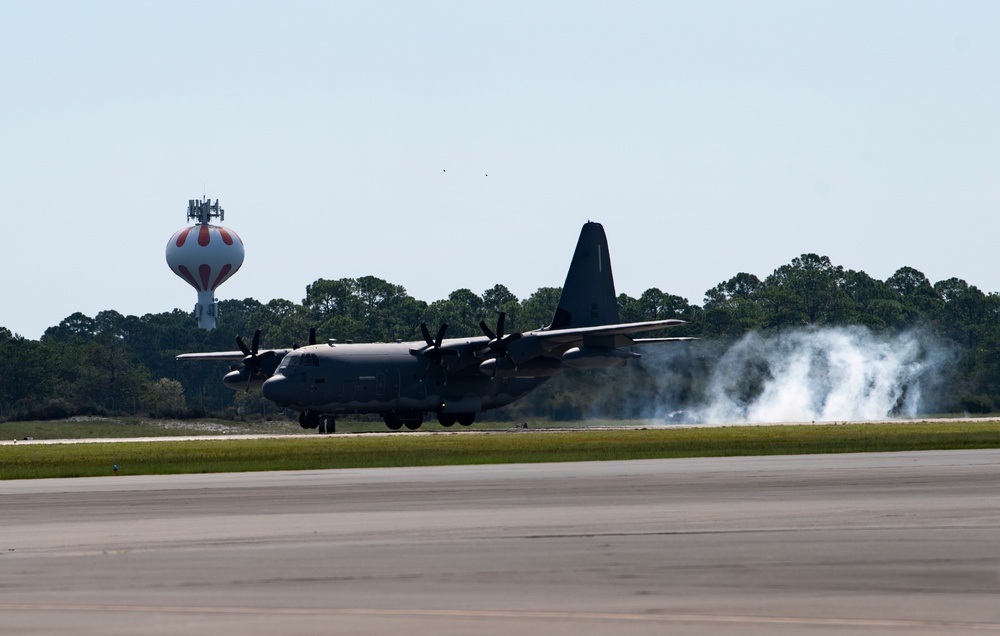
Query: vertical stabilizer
[{"x": 588, "y": 297}]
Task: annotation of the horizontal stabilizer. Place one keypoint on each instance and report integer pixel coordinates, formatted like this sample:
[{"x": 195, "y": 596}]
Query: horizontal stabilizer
[{"x": 573, "y": 334}]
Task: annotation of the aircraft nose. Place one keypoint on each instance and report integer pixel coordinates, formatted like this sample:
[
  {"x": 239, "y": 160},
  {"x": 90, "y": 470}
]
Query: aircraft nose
[{"x": 276, "y": 388}]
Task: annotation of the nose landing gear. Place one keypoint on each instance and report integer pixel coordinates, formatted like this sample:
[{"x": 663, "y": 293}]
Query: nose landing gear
[{"x": 324, "y": 424}]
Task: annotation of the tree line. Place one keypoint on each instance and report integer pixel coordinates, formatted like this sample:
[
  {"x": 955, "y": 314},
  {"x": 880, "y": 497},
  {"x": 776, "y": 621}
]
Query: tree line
[{"x": 116, "y": 364}]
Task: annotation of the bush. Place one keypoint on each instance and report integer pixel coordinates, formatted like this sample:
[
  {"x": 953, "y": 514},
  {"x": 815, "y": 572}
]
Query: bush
[
  {"x": 977, "y": 404},
  {"x": 51, "y": 409},
  {"x": 563, "y": 408}
]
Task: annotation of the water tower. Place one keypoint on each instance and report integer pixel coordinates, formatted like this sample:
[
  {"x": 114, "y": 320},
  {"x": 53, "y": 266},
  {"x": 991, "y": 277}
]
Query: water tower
[{"x": 205, "y": 256}]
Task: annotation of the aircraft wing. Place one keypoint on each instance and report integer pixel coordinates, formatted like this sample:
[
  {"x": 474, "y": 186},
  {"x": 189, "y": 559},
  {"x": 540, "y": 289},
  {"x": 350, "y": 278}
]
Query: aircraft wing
[
  {"x": 577, "y": 334},
  {"x": 226, "y": 355},
  {"x": 215, "y": 355}
]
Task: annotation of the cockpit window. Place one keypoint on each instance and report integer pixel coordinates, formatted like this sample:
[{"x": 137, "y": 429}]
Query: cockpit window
[{"x": 295, "y": 360}]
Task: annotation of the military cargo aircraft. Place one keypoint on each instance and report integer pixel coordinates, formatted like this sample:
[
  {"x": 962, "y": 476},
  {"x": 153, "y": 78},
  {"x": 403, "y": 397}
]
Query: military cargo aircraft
[{"x": 454, "y": 379}]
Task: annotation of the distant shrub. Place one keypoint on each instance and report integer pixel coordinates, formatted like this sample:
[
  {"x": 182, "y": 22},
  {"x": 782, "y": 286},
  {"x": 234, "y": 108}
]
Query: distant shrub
[
  {"x": 51, "y": 409},
  {"x": 563, "y": 408},
  {"x": 977, "y": 404}
]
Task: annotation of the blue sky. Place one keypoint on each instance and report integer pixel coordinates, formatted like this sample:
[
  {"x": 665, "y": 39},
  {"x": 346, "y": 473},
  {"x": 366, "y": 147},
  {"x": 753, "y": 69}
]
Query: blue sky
[{"x": 353, "y": 139}]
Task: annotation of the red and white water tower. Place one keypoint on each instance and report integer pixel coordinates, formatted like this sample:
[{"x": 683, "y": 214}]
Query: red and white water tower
[{"x": 205, "y": 256}]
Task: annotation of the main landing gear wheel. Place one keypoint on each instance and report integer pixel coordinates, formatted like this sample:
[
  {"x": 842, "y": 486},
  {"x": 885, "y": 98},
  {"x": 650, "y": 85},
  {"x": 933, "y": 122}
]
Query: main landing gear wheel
[
  {"x": 446, "y": 419},
  {"x": 393, "y": 422},
  {"x": 466, "y": 419}
]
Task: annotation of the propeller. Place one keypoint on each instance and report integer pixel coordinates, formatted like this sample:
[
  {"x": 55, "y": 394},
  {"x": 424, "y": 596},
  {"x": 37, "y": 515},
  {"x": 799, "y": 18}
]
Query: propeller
[
  {"x": 433, "y": 348},
  {"x": 498, "y": 342},
  {"x": 252, "y": 359}
]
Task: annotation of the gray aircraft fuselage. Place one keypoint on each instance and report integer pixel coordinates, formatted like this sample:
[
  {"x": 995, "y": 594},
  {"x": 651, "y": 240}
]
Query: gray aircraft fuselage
[{"x": 341, "y": 378}]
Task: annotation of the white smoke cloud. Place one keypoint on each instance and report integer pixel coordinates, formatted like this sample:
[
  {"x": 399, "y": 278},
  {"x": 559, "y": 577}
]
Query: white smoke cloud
[{"x": 822, "y": 375}]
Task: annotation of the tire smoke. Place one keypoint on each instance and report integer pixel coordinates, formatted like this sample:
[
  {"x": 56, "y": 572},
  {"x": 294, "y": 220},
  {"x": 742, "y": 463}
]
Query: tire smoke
[{"x": 822, "y": 375}]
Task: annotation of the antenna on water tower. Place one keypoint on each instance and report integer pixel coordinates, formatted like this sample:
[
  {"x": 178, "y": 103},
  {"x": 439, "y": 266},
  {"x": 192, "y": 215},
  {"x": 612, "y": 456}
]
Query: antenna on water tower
[{"x": 205, "y": 256}]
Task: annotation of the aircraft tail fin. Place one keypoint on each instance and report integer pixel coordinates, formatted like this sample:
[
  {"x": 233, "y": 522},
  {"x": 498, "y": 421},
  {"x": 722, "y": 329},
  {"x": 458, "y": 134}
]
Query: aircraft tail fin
[{"x": 588, "y": 298}]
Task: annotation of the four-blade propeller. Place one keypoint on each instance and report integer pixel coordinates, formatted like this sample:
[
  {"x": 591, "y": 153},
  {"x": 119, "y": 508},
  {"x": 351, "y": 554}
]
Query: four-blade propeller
[
  {"x": 498, "y": 342},
  {"x": 433, "y": 348},
  {"x": 253, "y": 360}
]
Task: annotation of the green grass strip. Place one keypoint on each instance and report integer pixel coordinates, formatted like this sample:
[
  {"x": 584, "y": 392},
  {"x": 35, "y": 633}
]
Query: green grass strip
[{"x": 26, "y": 461}]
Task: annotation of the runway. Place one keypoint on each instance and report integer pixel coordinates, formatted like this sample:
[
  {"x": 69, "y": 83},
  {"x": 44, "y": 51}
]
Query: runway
[{"x": 888, "y": 543}]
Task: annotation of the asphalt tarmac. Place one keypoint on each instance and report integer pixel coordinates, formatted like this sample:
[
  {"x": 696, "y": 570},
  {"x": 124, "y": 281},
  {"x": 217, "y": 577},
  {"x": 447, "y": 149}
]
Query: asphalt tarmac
[{"x": 895, "y": 543}]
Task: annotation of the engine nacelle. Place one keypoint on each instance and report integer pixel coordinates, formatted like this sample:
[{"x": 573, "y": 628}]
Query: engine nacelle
[
  {"x": 596, "y": 357},
  {"x": 237, "y": 380},
  {"x": 535, "y": 368}
]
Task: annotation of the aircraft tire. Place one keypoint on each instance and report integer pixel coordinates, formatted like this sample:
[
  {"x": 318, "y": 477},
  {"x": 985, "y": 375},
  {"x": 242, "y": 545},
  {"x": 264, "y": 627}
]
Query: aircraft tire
[
  {"x": 446, "y": 419},
  {"x": 393, "y": 422},
  {"x": 413, "y": 424},
  {"x": 466, "y": 419},
  {"x": 308, "y": 419},
  {"x": 327, "y": 425}
]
